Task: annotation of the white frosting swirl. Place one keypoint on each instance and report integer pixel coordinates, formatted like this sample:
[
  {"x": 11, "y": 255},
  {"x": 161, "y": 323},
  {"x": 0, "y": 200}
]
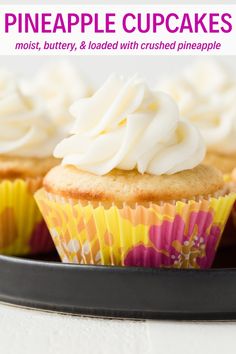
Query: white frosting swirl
[
  {"x": 26, "y": 130},
  {"x": 126, "y": 126},
  {"x": 59, "y": 85},
  {"x": 206, "y": 95}
]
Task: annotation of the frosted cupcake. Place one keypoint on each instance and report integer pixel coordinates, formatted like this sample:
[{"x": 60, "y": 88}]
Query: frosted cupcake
[
  {"x": 131, "y": 190},
  {"x": 206, "y": 95},
  {"x": 59, "y": 85},
  {"x": 27, "y": 139}
]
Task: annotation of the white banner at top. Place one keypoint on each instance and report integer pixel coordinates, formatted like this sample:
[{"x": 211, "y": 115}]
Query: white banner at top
[{"x": 118, "y": 29}]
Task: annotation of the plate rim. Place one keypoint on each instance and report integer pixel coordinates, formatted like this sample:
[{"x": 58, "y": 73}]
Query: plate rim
[{"x": 39, "y": 262}]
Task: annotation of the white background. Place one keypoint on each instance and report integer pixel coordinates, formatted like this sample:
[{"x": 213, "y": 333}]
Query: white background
[
  {"x": 96, "y": 69},
  {"x": 9, "y": 40},
  {"x": 198, "y": 2}
]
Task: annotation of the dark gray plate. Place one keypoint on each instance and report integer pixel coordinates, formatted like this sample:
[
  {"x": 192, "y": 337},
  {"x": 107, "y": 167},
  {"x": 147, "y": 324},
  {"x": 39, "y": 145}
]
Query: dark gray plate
[{"x": 122, "y": 292}]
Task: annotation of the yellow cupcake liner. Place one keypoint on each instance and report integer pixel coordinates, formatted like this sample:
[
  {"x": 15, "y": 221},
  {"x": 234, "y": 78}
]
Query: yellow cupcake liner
[
  {"x": 22, "y": 228},
  {"x": 178, "y": 235}
]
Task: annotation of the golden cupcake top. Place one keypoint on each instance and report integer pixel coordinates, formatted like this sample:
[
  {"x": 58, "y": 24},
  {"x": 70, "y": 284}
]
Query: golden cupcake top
[
  {"x": 128, "y": 126},
  {"x": 21, "y": 167},
  {"x": 131, "y": 186},
  {"x": 224, "y": 162}
]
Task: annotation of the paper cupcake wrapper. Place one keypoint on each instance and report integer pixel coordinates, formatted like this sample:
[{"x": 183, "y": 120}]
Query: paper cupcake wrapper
[
  {"x": 22, "y": 228},
  {"x": 233, "y": 217},
  {"x": 229, "y": 235},
  {"x": 180, "y": 235}
]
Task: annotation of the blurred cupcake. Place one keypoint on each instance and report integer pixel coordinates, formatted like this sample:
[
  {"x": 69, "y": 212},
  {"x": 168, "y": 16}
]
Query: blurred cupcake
[
  {"x": 206, "y": 95},
  {"x": 59, "y": 85},
  {"x": 27, "y": 139},
  {"x": 130, "y": 190}
]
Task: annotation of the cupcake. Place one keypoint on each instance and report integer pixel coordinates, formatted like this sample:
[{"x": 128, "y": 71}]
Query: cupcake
[
  {"x": 27, "y": 140},
  {"x": 206, "y": 93},
  {"x": 59, "y": 85},
  {"x": 130, "y": 190}
]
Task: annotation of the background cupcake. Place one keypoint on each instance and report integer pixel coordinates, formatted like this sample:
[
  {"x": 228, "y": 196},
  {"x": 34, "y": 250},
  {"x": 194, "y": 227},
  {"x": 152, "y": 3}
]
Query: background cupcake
[
  {"x": 27, "y": 139},
  {"x": 130, "y": 190},
  {"x": 59, "y": 84},
  {"x": 206, "y": 95}
]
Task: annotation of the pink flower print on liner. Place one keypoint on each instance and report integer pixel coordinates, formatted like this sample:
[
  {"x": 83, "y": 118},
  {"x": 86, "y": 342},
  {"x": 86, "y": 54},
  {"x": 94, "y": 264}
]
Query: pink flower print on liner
[
  {"x": 179, "y": 245},
  {"x": 142, "y": 256}
]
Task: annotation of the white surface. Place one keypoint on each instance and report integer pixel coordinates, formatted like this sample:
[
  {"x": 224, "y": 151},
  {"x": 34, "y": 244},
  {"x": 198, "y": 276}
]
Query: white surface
[
  {"x": 32, "y": 332},
  {"x": 191, "y": 337},
  {"x": 25, "y": 331}
]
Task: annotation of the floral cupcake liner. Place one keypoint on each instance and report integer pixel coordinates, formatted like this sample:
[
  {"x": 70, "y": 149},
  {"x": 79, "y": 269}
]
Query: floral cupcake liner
[
  {"x": 178, "y": 235},
  {"x": 22, "y": 228}
]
